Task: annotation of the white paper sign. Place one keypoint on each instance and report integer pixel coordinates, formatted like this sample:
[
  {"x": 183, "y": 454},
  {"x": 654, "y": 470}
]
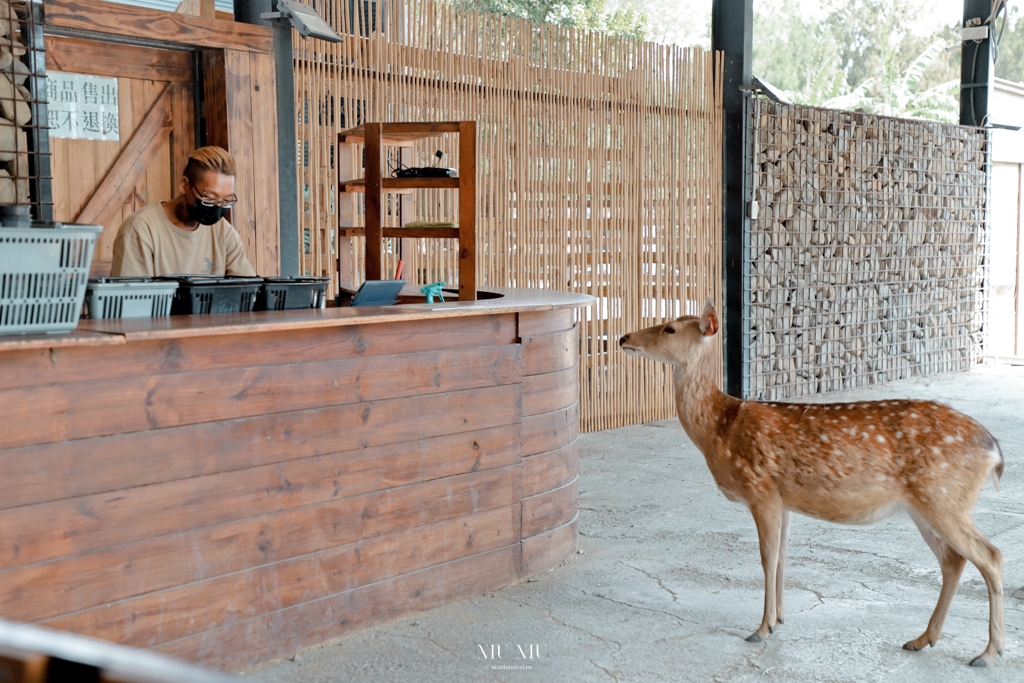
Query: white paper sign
[{"x": 82, "y": 107}]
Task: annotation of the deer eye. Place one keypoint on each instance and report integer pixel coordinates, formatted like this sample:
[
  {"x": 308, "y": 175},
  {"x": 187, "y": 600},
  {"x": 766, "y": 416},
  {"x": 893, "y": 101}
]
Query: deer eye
[{"x": 670, "y": 330}]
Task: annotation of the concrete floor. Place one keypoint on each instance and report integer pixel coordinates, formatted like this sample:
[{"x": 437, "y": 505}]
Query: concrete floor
[{"x": 668, "y": 583}]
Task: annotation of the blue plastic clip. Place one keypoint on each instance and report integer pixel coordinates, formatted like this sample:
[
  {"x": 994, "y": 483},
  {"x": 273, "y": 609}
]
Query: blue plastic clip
[{"x": 433, "y": 290}]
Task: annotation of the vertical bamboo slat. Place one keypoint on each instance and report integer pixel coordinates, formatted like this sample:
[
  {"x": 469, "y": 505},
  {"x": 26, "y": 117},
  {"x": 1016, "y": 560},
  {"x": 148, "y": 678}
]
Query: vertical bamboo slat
[{"x": 598, "y": 170}]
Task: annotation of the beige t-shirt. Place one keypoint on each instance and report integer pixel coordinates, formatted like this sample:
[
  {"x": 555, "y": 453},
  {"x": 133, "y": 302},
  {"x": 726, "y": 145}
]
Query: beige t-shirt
[{"x": 149, "y": 244}]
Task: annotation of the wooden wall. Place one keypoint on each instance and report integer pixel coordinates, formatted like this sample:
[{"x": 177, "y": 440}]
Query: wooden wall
[
  {"x": 239, "y": 105},
  {"x": 230, "y": 499}
]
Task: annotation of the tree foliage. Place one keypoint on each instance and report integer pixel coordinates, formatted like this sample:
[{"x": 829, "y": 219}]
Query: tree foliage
[{"x": 591, "y": 15}]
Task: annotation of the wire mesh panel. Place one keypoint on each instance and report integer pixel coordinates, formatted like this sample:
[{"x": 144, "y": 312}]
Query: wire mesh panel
[
  {"x": 24, "y": 148},
  {"x": 865, "y": 257},
  {"x": 598, "y": 169}
]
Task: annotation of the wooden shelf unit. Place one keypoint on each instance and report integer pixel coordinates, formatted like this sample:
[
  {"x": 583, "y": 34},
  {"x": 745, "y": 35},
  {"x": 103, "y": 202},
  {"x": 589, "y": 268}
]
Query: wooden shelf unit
[{"x": 375, "y": 184}]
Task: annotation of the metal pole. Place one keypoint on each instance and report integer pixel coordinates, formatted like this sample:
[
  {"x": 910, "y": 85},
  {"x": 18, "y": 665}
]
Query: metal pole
[
  {"x": 975, "y": 67},
  {"x": 249, "y": 11},
  {"x": 732, "y": 24}
]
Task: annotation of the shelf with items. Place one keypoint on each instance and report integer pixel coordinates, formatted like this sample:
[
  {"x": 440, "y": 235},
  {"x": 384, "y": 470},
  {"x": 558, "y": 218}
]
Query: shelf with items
[{"x": 377, "y": 186}]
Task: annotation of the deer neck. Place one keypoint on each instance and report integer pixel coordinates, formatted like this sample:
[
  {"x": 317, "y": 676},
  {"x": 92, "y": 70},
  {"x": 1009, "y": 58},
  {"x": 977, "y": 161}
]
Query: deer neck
[{"x": 700, "y": 404}]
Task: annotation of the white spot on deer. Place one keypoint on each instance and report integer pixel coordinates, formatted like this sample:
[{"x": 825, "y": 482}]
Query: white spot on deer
[
  {"x": 948, "y": 439},
  {"x": 880, "y": 438},
  {"x": 773, "y": 405},
  {"x": 863, "y": 435},
  {"x": 883, "y": 404},
  {"x": 871, "y": 426},
  {"x": 913, "y": 415},
  {"x": 917, "y": 451},
  {"x": 824, "y": 437},
  {"x": 913, "y": 433},
  {"x": 926, "y": 430},
  {"x": 899, "y": 435},
  {"x": 843, "y": 417},
  {"x": 943, "y": 489},
  {"x": 836, "y": 451},
  {"x": 936, "y": 450}
]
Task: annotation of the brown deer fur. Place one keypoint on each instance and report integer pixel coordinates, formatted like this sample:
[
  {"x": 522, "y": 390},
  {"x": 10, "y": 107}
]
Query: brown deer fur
[{"x": 842, "y": 462}]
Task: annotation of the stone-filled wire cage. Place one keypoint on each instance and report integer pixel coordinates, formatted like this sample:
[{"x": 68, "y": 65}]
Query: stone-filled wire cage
[
  {"x": 865, "y": 249},
  {"x": 24, "y": 136}
]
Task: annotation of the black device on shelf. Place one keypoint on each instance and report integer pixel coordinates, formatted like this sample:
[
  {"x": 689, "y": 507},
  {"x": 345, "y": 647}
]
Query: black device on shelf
[{"x": 427, "y": 172}]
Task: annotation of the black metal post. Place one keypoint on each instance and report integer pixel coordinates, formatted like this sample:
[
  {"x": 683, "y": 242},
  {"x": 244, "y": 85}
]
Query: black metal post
[
  {"x": 975, "y": 67},
  {"x": 732, "y": 23},
  {"x": 40, "y": 183},
  {"x": 249, "y": 11}
]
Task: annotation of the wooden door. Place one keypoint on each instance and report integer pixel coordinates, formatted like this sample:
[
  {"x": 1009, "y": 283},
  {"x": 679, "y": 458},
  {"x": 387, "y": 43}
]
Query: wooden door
[{"x": 103, "y": 181}]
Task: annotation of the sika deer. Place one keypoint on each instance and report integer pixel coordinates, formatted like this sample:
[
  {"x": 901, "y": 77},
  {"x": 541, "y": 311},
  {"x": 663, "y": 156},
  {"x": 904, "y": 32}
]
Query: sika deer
[{"x": 843, "y": 462}]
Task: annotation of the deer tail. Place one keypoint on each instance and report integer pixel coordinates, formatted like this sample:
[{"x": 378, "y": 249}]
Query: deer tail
[{"x": 996, "y": 451}]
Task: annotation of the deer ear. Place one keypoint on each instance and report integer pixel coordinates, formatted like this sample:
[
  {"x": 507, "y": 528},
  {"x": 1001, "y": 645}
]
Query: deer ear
[{"x": 708, "y": 320}]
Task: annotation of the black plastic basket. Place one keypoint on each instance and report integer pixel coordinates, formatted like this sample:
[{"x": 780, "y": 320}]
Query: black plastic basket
[
  {"x": 198, "y": 294},
  {"x": 285, "y": 293}
]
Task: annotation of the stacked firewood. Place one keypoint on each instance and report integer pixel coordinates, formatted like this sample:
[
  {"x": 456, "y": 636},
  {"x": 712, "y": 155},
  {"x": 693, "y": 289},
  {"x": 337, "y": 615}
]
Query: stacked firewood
[
  {"x": 866, "y": 261},
  {"x": 15, "y": 113}
]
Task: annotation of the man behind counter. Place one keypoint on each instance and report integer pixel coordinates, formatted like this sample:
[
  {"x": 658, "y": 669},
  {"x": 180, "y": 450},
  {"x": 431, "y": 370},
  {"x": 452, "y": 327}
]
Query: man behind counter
[{"x": 187, "y": 235}]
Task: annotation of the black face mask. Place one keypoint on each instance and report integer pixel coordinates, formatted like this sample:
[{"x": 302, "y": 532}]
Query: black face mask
[{"x": 205, "y": 215}]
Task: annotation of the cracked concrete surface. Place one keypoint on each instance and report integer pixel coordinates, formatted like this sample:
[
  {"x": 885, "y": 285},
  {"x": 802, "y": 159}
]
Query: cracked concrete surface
[{"x": 669, "y": 583}]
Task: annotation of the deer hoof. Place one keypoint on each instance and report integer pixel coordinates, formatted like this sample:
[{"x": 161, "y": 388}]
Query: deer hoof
[
  {"x": 754, "y": 638},
  {"x": 978, "y": 661}
]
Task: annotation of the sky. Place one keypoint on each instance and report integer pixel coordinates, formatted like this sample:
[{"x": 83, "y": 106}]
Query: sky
[{"x": 687, "y": 22}]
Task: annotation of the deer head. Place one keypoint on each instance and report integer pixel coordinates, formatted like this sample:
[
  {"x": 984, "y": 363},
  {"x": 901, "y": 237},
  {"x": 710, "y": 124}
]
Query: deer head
[{"x": 682, "y": 343}]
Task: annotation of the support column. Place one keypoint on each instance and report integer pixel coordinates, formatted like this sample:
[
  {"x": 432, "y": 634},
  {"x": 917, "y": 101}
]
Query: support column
[
  {"x": 976, "y": 68},
  {"x": 732, "y": 24},
  {"x": 249, "y": 11}
]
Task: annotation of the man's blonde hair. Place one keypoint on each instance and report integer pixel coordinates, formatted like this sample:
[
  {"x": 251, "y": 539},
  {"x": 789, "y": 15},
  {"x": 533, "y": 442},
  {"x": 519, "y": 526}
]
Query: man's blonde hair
[{"x": 206, "y": 159}]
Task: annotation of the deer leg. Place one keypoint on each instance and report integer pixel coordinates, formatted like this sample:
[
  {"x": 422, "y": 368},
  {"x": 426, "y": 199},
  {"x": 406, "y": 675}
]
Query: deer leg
[
  {"x": 780, "y": 595},
  {"x": 769, "y": 531},
  {"x": 966, "y": 540},
  {"x": 952, "y": 564}
]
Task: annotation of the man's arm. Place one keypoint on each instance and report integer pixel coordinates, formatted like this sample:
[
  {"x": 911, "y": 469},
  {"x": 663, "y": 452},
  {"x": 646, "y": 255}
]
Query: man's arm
[
  {"x": 235, "y": 261},
  {"x": 133, "y": 255}
]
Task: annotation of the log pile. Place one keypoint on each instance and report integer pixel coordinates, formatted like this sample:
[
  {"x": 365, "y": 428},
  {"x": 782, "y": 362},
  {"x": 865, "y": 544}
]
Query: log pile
[
  {"x": 15, "y": 113},
  {"x": 866, "y": 262}
]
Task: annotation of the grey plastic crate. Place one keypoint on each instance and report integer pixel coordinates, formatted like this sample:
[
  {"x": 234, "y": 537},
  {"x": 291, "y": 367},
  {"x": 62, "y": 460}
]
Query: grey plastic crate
[
  {"x": 43, "y": 274},
  {"x": 116, "y": 297}
]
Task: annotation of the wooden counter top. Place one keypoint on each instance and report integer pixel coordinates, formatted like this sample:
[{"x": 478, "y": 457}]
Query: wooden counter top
[{"x": 120, "y": 330}]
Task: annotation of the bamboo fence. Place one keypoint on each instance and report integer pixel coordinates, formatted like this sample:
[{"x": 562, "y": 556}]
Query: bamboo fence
[{"x": 598, "y": 170}]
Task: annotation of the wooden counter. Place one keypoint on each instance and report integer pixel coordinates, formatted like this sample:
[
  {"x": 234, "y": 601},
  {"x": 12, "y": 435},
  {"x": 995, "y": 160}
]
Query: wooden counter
[{"x": 230, "y": 489}]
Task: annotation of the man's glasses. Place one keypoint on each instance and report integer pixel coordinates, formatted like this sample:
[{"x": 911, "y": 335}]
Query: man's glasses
[{"x": 209, "y": 201}]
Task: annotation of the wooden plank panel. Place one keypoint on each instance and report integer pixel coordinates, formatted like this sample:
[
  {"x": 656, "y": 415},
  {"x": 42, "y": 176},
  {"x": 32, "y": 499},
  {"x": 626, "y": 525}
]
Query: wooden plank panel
[
  {"x": 239, "y": 645},
  {"x": 162, "y": 616},
  {"x": 193, "y": 354},
  {"x": 215, "y": 105},
  {"x": 87, "y": 409},
  {"x": 551, "y": 470},
  {"x": 76, "y": 468},
  {"x": 266, "y": 172},
  {"x": 550, "y": 510},
  {"x": 34, "y": 534},
  {"x": 550, "y": 549},
  {"x": 238, "y": 80},
  {"x": 134, "y": 567},
  {"x": 538, "y": 324},
  {"x": 550, "y": 352},
  {"x": 551, "y": 391},
  {"x": 117, "y": 60},
  {"x": 550, "y": 431},
  {"x": 166, "y": 27},
  {"x": 183, "y": 131}
]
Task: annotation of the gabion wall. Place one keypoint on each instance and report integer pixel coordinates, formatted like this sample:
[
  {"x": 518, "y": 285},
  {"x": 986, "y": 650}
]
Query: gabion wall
[{"x": 866, "y": 261}]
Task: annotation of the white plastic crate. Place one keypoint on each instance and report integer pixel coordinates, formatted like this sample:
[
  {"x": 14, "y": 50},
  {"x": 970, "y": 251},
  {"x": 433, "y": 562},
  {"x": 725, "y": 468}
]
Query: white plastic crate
[
  {"x": 128, "y": 298},
  {"x": 43, "y": 274}
]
